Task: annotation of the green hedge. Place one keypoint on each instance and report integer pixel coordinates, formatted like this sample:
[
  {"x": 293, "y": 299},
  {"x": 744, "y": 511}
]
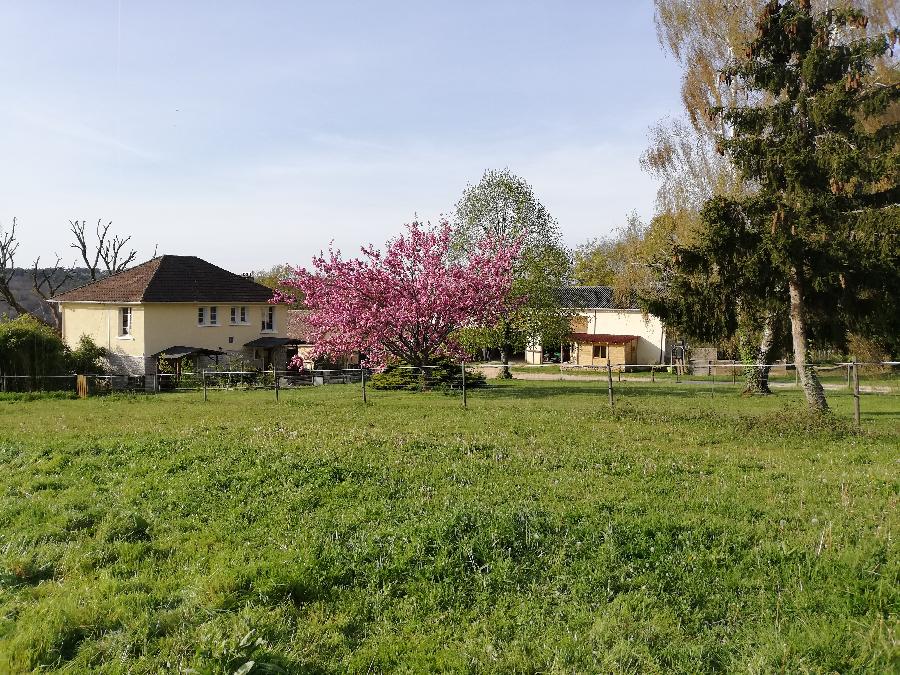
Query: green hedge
[{"x": 444, "y": 375}]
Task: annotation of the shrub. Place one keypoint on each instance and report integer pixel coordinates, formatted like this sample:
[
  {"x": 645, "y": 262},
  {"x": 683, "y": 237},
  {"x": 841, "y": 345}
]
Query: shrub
[
  {"x": 87, "y": 357},
  {"x": 30, "y": 347},
  {"x": 442, "y": 376}
]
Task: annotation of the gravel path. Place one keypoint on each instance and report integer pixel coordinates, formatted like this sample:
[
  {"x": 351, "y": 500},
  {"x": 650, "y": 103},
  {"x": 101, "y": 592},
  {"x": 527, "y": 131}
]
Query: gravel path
[{"x": 565, "y": 377}]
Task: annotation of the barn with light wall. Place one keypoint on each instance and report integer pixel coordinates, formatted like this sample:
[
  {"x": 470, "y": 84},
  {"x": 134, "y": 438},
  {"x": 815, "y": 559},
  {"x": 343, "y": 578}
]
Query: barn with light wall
[{"x": 603, "y": 330}]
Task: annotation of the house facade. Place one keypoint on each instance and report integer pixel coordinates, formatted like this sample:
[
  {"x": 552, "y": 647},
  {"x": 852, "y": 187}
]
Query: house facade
[
  {"x": 602, "y": 331},
  {"x": 175, "y": 307}
]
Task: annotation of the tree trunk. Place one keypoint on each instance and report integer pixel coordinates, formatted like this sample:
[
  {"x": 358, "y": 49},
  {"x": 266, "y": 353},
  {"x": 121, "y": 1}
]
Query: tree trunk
[
  {"x": 756, "y": 374},
  {"x": 812, "y": 388},
  {"x": 505, "y": 352},
  {"x": 504, "y": 373},
  {"x": 11, "y": 299}
]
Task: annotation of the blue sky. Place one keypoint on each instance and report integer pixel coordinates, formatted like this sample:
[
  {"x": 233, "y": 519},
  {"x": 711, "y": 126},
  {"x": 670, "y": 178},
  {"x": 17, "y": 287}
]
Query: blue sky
[{"x": 251, "y": 133}]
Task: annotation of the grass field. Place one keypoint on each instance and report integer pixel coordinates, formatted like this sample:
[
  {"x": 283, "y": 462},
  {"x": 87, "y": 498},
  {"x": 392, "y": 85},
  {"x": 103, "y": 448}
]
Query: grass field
[{"x": 537, "y": 531}]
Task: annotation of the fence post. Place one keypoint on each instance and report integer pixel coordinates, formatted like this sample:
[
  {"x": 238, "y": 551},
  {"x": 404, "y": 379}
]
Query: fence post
[
  {"x": 275, "y": 378},
  {"x": 849, "y": 385},
  {"x": 796, "y": 375},
  {"x": 609, "y": 380},
  {"x": 203, "y": 375},
  {"x": 652, "y": 374},
  {"x": 733, "y": 374},
  {"x": 362, "y": 370},
  {"x": 856, "y": 394},
  {"x": 463, "y": 367}
]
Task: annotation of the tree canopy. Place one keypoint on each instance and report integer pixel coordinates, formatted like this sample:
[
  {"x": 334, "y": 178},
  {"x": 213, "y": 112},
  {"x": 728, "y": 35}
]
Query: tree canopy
[
  {"x": 818, "y": 228},
  {"x": 407, "y": 302},
  {"x": 502, "y": 208}
]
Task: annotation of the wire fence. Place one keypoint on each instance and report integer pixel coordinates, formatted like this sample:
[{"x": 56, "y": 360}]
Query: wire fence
[{"x": 880, "y": 377}]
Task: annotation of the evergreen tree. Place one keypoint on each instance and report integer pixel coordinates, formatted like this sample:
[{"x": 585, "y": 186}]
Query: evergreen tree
[{"x": 816, "y": 140}]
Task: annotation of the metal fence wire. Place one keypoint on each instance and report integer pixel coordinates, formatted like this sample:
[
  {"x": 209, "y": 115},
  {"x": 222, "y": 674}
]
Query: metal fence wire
[{"x": 707, "y": 377}]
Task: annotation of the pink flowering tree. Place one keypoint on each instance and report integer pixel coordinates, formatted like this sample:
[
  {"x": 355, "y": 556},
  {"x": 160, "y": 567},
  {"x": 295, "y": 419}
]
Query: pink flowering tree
[{"x": 407, "y": 302}]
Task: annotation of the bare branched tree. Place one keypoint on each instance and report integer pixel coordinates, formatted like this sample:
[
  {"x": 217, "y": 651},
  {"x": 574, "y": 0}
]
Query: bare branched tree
[
  {"x": 47, "y": 282},
  {"x": 108, "y": 255},
  {"x": 8, "y": 247}
]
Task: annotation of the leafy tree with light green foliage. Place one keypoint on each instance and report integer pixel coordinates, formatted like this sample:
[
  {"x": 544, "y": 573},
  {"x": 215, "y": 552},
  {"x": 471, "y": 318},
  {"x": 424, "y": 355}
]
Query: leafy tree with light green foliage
[
  {"x": 30, "y": 347},
  {"x": 273, "y": 277},
  {"x": 503, "y": 206},
  {"x": 820, "y": 230},
  {"x": 87, "y": 357}
]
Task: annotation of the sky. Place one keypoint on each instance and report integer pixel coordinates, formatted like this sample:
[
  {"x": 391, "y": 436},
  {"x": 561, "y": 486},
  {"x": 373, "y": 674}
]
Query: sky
[{"x": 255, "y": 133}]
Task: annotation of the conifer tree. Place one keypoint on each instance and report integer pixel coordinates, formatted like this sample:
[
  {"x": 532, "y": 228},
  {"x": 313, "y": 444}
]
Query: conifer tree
[{"x": 822, "y": 222}]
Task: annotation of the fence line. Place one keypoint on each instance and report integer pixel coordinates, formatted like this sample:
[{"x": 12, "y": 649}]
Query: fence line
[{"x": 277, "y": 380}]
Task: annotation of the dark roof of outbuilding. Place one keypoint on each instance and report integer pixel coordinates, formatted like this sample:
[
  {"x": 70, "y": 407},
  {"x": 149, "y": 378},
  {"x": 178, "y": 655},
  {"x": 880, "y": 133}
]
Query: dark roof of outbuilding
[
  {"x": 602, "y": 338},
  {"x": 587, "y": 297},
  {"x": 269, "y": 342},
  {"x": 171, "y": 278},
  {"x": 179, "y": 352}
]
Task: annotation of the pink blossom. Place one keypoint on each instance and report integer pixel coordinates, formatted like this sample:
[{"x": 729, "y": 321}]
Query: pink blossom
[{"x": 407, "y": 302}]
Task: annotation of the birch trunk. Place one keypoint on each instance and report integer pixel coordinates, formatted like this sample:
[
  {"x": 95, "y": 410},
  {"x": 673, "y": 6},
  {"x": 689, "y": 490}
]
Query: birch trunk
[
  {"x": 757, "y": 374},
  {"x": 809, "y": 381}
]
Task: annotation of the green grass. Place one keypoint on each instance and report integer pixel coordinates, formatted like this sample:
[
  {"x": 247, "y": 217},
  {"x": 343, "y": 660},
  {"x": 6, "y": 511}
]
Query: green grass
[{"x": 537, "y": 531}]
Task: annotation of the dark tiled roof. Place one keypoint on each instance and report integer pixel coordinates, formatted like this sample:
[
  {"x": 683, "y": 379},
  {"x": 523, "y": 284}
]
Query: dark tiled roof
[
  {"x": 587, "y": 297},
  {"x": 171, "y": 278},
  {"x": 298, "y": 327},
  {"x": 602, "y": 338},
  {"x": 270, "y": 342},
  {"x": 179, "y": 352}
]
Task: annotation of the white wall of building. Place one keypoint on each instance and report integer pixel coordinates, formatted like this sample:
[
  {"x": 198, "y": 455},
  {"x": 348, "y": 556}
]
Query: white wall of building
[{"x": 652, "y": 346}]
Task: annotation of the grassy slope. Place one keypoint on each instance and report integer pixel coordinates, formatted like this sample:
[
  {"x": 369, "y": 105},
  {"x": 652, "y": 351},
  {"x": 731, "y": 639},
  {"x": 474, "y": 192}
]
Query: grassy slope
[{"x": 536, "y": 531}]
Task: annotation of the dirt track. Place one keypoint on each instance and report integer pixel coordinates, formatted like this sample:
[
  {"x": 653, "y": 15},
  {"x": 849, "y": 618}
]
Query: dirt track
[{"x": 565, "y": 377}]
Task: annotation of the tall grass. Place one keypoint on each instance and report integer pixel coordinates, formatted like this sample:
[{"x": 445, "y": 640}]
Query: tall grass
[{"x": 538, "y": 530}]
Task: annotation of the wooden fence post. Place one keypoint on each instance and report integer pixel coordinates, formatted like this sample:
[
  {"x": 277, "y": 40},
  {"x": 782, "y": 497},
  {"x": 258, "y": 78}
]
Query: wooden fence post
[
  {"x": 203, "y": 375},
  {"x": 609, "y": 380},
  {"x": 275, "y": 378},
  {"x": 362, "y": 371},
  {"x": 856, "y": 394},
  {"x": 465, "y": 403}
]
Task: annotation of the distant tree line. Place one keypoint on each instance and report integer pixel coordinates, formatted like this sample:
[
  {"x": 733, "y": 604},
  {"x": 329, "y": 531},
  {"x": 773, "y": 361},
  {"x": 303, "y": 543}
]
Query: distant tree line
[
  {"x": 28, "y": 290},
  {"x": 30, "y": 341}
]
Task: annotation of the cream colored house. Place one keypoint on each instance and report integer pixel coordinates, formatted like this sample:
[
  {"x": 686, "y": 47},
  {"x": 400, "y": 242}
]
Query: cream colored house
[
  {"x": 174, "y": 308},
  {"x": 601, "y": 331}
]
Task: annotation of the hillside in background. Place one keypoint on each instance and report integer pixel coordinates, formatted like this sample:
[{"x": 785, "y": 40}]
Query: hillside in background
[{"x": 22, "y": 286}]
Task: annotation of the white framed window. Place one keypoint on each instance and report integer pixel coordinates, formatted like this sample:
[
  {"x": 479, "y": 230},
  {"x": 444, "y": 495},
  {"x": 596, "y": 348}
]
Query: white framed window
[
  {"x": 238, "y": 315},
  {"x": 213, "y": 316},
  {"x": 125, "y": 322},
  {"x": 268, "y": 322},
  {"x": 201, "y": 316}
]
